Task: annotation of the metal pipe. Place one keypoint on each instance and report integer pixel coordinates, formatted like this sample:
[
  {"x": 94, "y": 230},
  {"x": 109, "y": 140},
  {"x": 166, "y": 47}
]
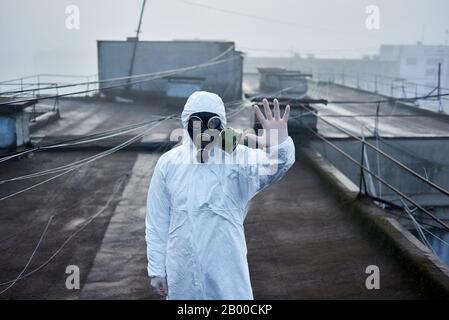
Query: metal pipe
[
  {"x": 136, "y": 41},
  {"x": 413, "y": 202},
  {"x": 401, "y": 165}
]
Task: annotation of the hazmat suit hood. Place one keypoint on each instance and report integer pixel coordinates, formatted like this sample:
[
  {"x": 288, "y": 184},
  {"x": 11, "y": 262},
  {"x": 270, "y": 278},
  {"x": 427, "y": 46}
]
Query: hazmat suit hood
[{"x": 202, "y": 101}]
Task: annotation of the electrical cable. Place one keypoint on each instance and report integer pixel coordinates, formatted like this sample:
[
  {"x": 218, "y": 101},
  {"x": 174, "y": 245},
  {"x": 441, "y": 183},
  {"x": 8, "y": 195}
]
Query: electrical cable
[
  {"x": 30, "y": 259},
  {"x": 271, "y": 19},
  {"x": 74, "y": 234},
  {"x": 79, "y": 140},
  {"x": 116, "y": 78},
  {"x": 177, "y": 71},
  {"x": 61, "y": 168},
  {"x": 115, "y": 86},
  {"x": 77, "y": 164},
  {"x": 400, "y": 164},
  {"x": 385, "y": 183}
]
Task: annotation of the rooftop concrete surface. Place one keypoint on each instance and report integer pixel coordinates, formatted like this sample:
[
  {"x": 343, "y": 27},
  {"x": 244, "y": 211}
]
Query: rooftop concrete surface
[
  {"x": 300, "y": 246},
  {"x": 300, "y": 243},
  {"x": 72, "y": 199},
  {"x": 396, "y": 119},
  {"x": 85, "y": 116}
]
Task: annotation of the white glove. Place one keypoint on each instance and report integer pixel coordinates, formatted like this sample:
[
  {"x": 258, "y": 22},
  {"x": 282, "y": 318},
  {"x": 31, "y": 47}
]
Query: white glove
[
  {"x": 159, "y": 285},
  {"x": 275, "y": 130}
]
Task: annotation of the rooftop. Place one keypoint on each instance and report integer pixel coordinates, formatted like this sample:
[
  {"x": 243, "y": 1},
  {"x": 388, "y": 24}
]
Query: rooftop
[{"x": 301, "y": 243}]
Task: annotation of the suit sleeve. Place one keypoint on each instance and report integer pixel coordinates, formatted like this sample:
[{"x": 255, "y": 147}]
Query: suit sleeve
[
  {"x": 157, "y": 223},
  {"x": 270, "y": 165}
]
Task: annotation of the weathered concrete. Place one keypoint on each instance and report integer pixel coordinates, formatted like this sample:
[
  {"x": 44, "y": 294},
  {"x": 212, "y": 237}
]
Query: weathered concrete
[
  {"x": 426, "y": 156},
  {"x": 416, "y": 137},
  {"x": 72, "y": 200},
  {"x": 396, "y": 120},
  {"x": 301, "y": 244},
  {"x": 119, "y": 269},
  {"x": 421, "y": 263}
]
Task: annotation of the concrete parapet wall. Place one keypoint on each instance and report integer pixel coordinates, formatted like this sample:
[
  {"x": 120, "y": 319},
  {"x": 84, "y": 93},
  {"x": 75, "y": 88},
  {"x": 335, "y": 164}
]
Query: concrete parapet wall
[{"x": 421, "y": 264}]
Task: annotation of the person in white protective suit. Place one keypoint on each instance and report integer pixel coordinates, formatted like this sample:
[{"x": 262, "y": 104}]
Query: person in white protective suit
[{"x": 196, "y": 208}]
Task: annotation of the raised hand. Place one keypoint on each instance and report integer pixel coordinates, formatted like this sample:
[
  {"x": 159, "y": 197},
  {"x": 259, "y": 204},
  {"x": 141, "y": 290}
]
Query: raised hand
[{"x": 275, "y": 129}]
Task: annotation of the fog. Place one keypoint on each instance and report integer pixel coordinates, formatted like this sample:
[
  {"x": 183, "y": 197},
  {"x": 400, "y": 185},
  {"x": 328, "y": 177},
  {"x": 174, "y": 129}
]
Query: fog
[{"x": 34, "y": 37}]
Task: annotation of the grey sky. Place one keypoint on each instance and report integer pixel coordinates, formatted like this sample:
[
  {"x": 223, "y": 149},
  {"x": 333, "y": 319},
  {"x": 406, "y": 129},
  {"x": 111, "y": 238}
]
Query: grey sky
[{"x": 34, "y": 38}]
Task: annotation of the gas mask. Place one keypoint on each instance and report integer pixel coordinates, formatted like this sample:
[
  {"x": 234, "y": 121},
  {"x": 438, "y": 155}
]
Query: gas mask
[{"x": 204, "y": 129}]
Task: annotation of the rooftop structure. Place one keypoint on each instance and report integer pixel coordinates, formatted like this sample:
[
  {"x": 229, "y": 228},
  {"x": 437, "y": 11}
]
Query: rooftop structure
[{"x": 172, "y": 65}]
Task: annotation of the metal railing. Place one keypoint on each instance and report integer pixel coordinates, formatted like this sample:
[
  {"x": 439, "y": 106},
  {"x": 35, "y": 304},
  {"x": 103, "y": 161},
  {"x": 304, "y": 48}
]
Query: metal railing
[
  {"x": 366, "y": 170},
  {"x": 388, "y": 86},
  {"x": 43, "y": 83}
]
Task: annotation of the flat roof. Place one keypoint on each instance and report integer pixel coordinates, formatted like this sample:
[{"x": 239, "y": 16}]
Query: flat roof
[
  {"x": 395, "y": 120},
  {"x": 170, "y": 41}
]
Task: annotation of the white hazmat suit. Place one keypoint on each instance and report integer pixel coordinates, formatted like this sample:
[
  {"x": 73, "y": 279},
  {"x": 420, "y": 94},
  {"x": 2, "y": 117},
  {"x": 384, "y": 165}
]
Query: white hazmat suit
[{"x": 195, "y": 212}]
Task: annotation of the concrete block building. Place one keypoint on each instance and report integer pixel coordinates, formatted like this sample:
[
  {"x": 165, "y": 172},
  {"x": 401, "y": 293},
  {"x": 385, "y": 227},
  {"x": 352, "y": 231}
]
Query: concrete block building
[{"x": 219, "y": 67}]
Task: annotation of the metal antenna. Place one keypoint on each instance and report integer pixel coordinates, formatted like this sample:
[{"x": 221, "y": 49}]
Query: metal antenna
[
  {"x": 136, "y": 41},
  {"x": 440, "y": 107}
]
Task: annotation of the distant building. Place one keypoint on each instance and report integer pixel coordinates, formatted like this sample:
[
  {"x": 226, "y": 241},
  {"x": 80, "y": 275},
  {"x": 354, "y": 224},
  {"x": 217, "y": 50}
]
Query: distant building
[
  {"x": 414, "y": 63},
  {"x": 402, "y": 71},
  {"x": 225, "y": 78},
  {"x": 321, "y": 67},
  {"x": 418, "y": 63}
]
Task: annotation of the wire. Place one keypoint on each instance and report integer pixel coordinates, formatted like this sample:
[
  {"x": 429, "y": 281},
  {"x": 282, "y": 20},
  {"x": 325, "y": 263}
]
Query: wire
[
  {"x": 385, "y": 183},
  {"x": 114, "y": 79},
  {"x": 74, "y": 234},
  {"x": 377, "y": 77},
  {"x": 381, "y": 116},
  {"x": 30, "y": 259},
  {"x": 76, "y": 165},
  {"x": 400, "y": 164},
  {"x": 417, "y": 227},
  {"x": 160, "y": 148},
  {"x": 102, "y": 135},
  {"x": 388, "y": 100},
  {"x": 119, "y": 85},
  {"x": 311, "y": 51},
  {"x": 407, "y": 151},
  {"x": 400, "y": 215},
  {"x": 377, "y": 176},
  {"x": 435, "y": 236},
  {"x": 266, "y": 19},
  {"x": 62, "y": 168},
  {"x": 175, "y": 71},
  {"x": 81, "y": 140}
]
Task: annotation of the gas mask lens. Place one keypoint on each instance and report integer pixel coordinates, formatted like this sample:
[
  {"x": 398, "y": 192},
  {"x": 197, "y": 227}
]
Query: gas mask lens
[
  {"x": 214, "y": 123},
  {"x": 203, "y": 128},
  {"x": 196, "y": 122}
]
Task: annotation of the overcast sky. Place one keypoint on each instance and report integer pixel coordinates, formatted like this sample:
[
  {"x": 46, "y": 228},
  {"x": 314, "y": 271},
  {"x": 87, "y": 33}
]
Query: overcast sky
[{"x": 34, "y": 37}]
